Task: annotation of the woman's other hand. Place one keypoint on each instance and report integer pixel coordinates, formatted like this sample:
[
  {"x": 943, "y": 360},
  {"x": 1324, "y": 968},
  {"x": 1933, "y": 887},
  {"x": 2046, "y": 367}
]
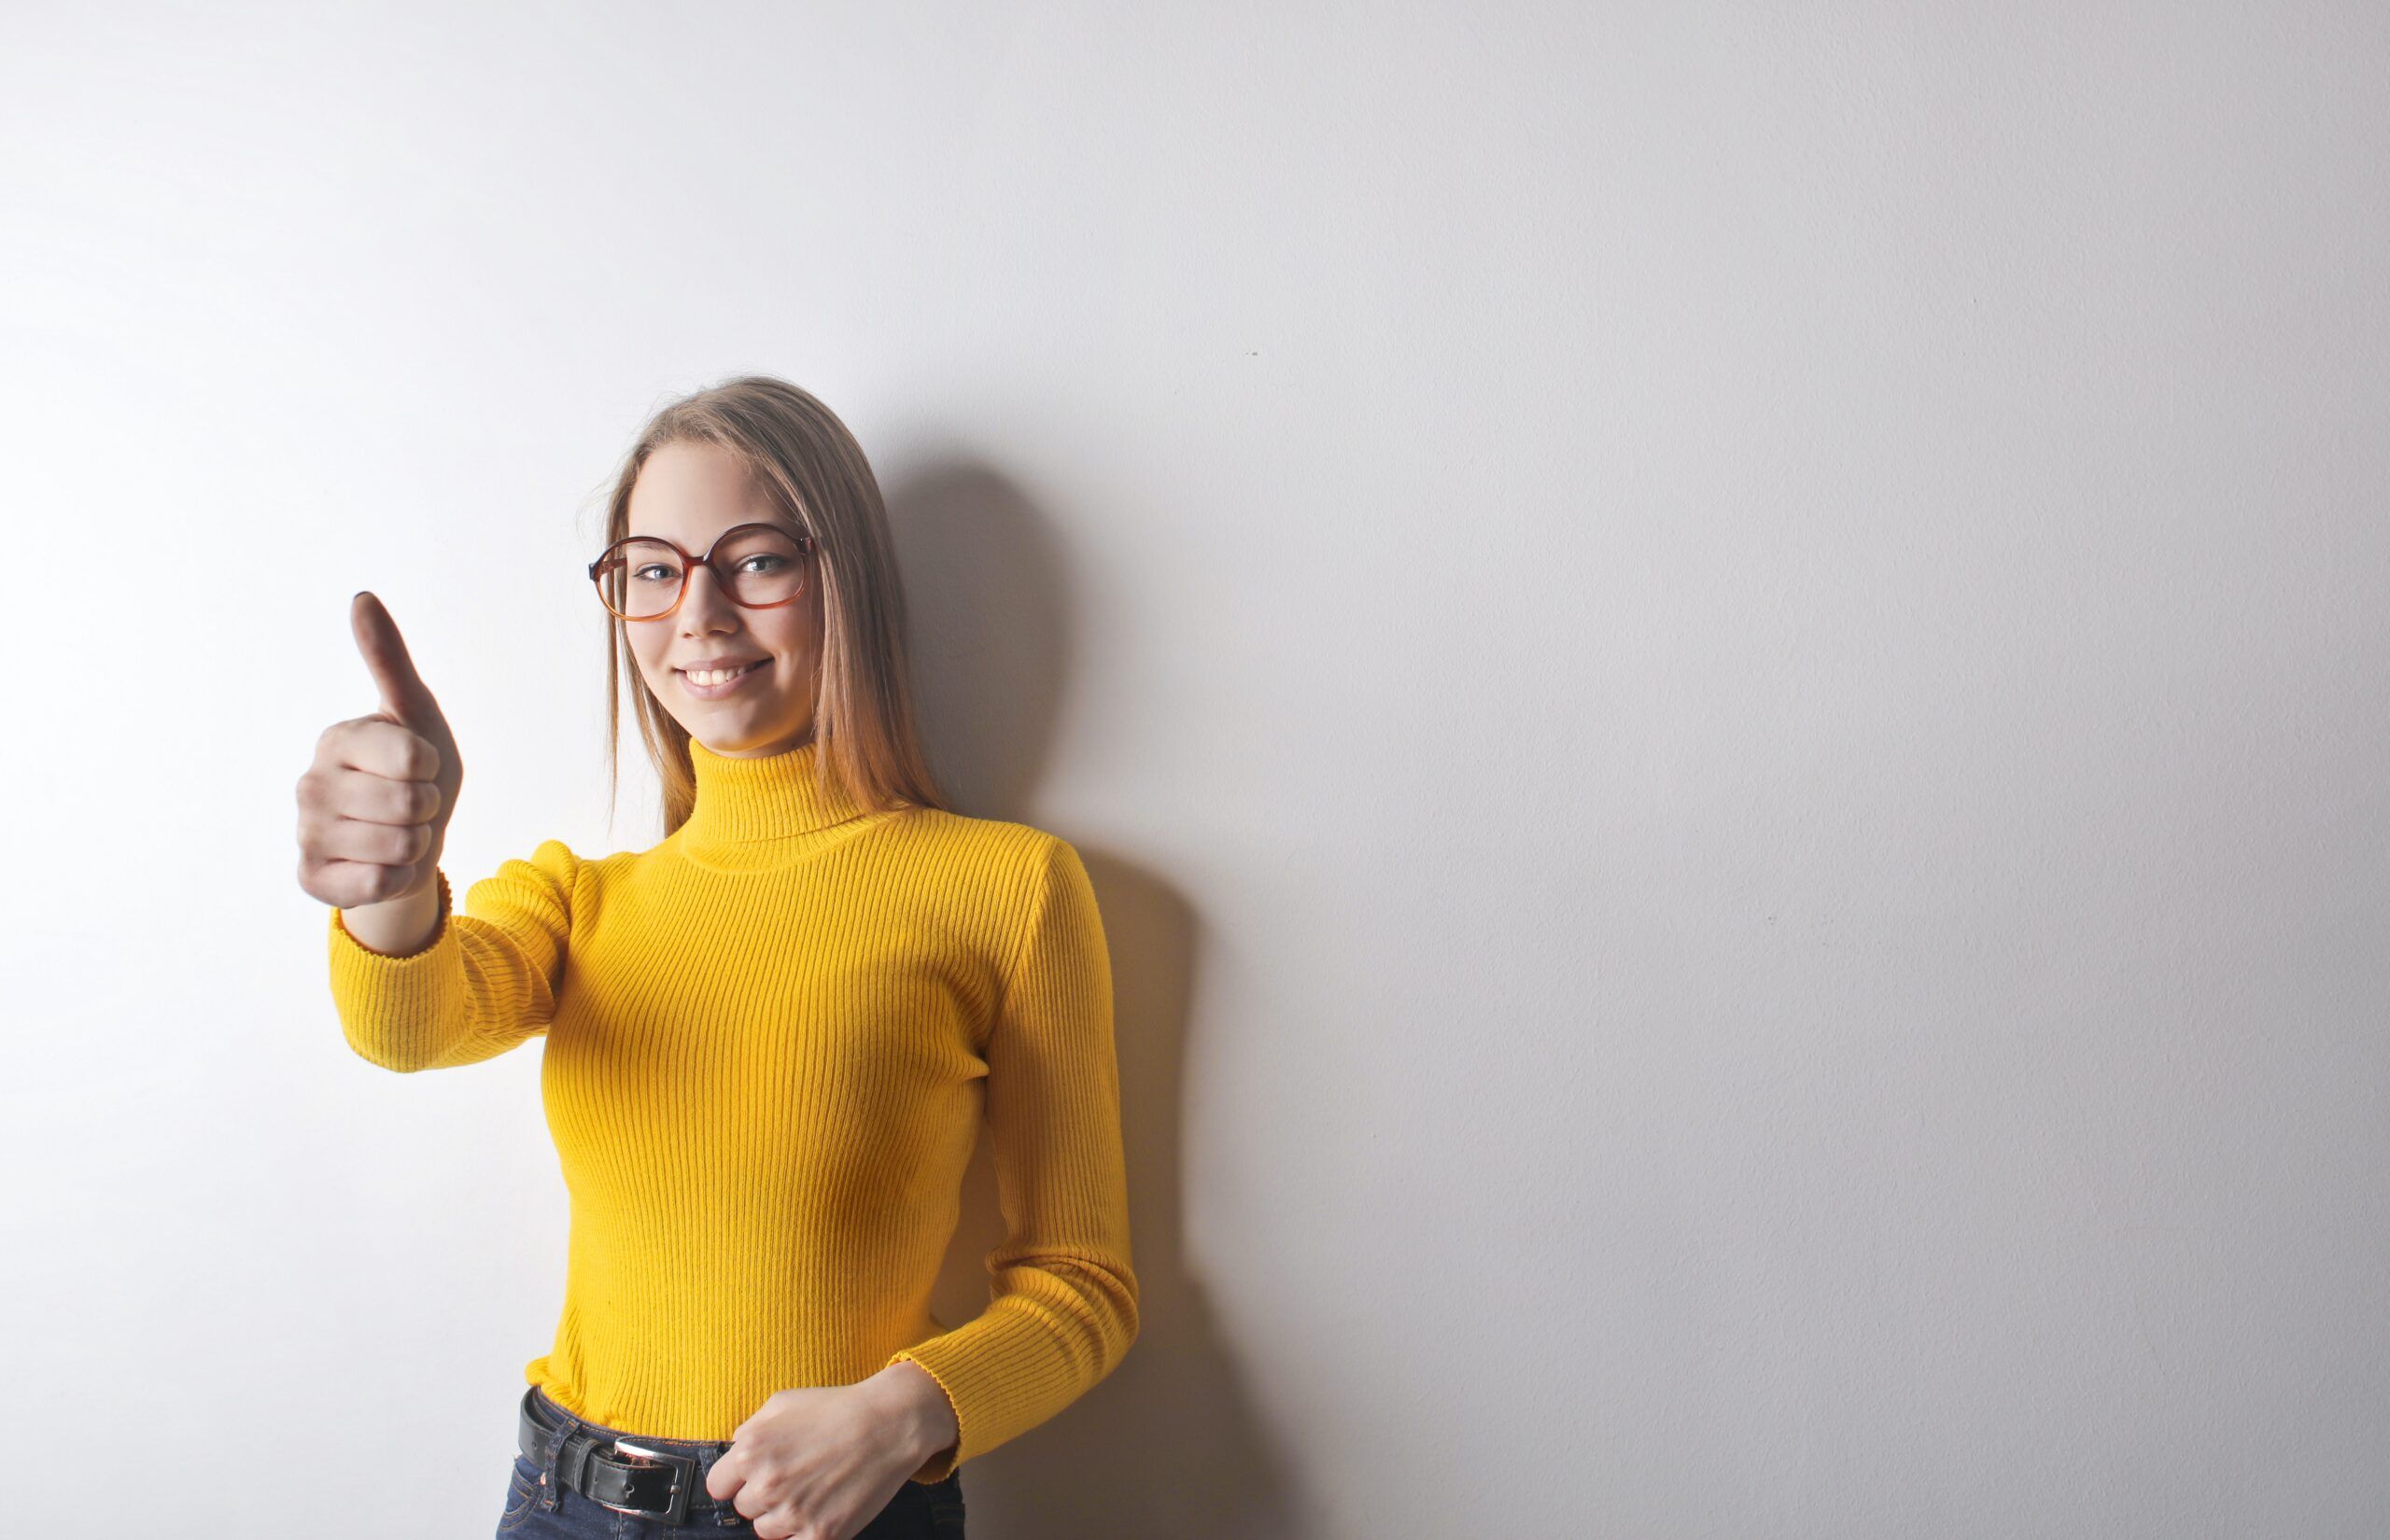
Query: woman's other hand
[{"x": 822, "y": 1462}]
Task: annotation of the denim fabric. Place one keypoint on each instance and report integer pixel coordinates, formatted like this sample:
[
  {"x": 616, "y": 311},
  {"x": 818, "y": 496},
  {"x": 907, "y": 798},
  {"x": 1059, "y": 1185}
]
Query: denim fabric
[{"x": 537, "y": 1507}]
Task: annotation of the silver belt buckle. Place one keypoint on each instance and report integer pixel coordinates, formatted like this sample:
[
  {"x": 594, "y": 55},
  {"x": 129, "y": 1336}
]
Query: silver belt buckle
[{"x": 676, "y": 1504}]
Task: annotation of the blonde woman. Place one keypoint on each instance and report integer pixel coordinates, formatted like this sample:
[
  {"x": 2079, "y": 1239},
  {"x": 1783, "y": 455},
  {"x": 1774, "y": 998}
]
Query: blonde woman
[{"x": 771, "y": 1037}]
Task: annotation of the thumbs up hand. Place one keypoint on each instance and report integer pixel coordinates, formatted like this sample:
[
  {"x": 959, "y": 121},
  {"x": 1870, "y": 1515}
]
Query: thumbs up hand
[{"x": 374, "y": 807}]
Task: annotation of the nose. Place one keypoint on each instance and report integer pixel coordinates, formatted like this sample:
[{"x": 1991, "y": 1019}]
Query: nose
[{"x": 702, "y": 598}]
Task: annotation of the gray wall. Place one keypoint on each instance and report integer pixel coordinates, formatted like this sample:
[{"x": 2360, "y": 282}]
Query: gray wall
[{"x": 1720, "y": 667}]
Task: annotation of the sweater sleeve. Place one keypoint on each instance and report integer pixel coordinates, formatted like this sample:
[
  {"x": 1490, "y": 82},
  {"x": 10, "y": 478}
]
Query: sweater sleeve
[
  {"x": 486, "y": 981},
  {"x": 1062, "y": 1297}
]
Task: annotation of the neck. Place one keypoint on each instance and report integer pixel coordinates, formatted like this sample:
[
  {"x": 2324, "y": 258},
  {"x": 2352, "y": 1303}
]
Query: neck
[{"x": 743, "y": 801}]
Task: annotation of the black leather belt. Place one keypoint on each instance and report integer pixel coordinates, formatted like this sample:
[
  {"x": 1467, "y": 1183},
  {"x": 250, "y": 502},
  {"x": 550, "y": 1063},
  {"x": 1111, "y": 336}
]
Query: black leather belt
[{"x": 621, "y": 1474}]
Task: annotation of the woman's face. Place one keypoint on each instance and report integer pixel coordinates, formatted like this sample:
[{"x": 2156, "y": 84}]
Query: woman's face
[{"x": 689, "y": 493}]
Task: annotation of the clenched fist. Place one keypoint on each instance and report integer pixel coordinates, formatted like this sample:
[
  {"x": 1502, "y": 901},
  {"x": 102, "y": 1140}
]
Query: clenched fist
[{"x": 374, "y": 807}]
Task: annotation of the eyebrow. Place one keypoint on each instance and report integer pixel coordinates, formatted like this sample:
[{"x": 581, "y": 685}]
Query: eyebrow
[{"x": 779, "y": 525}]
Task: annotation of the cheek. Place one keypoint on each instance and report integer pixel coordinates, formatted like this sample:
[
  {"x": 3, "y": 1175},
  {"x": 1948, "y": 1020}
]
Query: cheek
[{"x": 789, "y": 641}]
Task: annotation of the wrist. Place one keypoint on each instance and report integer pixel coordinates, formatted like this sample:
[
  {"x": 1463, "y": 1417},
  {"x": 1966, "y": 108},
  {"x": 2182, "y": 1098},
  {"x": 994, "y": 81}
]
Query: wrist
[{"x": 924, "y": 1417}]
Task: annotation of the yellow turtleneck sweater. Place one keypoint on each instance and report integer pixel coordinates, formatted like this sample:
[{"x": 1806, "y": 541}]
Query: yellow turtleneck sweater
[{"x": 770, "y": 1041}]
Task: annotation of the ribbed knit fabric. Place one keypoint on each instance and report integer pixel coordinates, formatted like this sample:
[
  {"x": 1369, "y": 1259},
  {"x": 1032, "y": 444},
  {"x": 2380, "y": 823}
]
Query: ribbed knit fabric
[{"x": 770, "y": 1040}]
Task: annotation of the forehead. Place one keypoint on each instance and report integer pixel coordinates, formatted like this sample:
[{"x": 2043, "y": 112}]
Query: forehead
[{"x": 691, "y": 491}]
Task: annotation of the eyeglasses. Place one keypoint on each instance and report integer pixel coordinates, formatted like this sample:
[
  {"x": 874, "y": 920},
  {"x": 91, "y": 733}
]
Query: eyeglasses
[{"x": 760, "y": 565}]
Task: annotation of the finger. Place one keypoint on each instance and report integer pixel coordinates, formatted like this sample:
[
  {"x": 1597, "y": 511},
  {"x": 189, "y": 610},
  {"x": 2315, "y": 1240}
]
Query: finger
[
  {"x": 381, "y": 844},
  {"x": 355, "y": 884},
  {"x": 387, "y": 750},
  {"x": 405, "y": 698},
  {"x": 364, "y": 797}
]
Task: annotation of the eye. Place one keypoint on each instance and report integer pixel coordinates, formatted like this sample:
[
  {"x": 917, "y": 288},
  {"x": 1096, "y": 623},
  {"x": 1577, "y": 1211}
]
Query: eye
[{"x": 643, "y": 572}]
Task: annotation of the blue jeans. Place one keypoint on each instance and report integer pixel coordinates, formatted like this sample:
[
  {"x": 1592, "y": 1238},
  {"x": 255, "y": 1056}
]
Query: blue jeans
[{"x": 539, "y": 1506}]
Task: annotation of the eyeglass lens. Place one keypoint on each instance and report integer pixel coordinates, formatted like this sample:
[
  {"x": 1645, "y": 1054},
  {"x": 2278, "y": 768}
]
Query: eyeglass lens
[{"x": 642, "y": 578}]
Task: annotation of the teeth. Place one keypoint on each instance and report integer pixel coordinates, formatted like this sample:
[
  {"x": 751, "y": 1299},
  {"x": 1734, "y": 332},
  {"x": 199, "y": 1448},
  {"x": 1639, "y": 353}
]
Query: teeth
[{"x": 714, "y": 676}]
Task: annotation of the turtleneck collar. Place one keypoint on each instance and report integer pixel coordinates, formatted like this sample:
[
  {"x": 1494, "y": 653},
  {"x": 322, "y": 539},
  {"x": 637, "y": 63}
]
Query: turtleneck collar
[{"x": 742, "y": 803}]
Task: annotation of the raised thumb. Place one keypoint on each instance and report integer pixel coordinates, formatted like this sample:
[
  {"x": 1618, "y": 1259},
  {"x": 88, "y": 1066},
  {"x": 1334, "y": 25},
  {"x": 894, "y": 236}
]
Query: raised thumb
[{"x": 405, "y": 698}]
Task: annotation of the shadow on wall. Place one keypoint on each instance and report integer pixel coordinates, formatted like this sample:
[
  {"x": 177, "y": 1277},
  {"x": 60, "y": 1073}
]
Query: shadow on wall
[{"x": 1165, "y": 1446}]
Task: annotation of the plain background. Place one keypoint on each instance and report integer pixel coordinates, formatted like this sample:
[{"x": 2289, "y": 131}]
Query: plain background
[{"x": 1722, "y": 668}]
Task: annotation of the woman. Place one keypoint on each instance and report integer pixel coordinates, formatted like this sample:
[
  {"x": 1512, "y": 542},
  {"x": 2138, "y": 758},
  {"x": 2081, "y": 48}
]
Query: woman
[{"x": 769, "y": 1036}]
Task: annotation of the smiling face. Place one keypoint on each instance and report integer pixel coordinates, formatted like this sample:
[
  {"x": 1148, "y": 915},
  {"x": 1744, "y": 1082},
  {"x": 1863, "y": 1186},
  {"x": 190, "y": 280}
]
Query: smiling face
[{"x": 690, "y": 493}]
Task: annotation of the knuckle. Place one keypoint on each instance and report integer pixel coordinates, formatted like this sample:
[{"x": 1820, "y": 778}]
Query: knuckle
[{"x": 388, "y": 883}]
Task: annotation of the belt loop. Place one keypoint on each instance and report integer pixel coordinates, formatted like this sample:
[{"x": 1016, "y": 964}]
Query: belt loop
[
  {"x": 564, "y": 1450},
  {"x": 573, "y": 1456}
]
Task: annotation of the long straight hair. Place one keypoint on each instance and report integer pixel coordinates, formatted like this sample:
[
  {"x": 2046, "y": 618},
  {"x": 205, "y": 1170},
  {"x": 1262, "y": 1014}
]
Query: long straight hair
[{"x": 869, "y": 743}]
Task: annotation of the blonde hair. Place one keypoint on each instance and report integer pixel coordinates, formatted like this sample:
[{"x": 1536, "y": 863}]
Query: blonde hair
[{"x": 869, "y": 744}]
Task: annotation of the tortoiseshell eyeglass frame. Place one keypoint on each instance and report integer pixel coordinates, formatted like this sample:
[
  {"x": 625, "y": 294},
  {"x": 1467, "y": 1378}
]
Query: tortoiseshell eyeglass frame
[{"x": 806, "y": 546}]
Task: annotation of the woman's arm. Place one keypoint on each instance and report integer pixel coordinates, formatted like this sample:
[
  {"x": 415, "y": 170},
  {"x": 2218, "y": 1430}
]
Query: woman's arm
[
  {"x": 1064, "y": 1304},
  {"x": 486, "y": 980}
]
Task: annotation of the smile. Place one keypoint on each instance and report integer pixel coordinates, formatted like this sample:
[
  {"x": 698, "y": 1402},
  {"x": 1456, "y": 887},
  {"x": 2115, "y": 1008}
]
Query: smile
[{"x": 708, "y": 685}]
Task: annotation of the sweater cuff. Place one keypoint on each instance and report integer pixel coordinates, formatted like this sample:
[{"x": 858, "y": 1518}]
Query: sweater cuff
[{"x": 385, "y": 1000}]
